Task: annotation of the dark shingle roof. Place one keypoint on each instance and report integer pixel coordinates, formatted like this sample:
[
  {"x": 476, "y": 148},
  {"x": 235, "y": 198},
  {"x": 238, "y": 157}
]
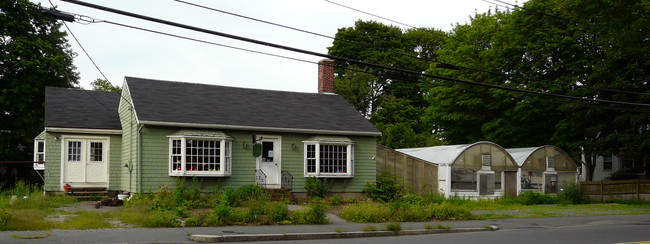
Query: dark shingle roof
[
  {"x": 178, "y": 102},
  {"x": 74, "y": 108}
]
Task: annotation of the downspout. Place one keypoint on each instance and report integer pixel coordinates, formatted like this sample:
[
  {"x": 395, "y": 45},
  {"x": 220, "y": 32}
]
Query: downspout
[
  {"x": 130, "y": 166},
  {"x": 140, "y": 158}
]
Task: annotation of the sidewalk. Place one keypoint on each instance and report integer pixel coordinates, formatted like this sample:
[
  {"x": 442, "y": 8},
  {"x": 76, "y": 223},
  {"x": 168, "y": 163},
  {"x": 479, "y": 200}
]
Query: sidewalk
[{"x": 182, "y": 235}]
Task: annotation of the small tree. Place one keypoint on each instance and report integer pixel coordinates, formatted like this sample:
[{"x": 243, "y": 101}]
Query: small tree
[{"x": 385, "y": 188}]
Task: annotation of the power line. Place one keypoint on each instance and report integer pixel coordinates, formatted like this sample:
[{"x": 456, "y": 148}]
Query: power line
[
  {"x": 447, "y": 65},
  {"x": 293, "y": 49},
  {"x": 306, "y": 31},
  {"x": 399, "y": 53},
  {"x": 407, "y": 78}
]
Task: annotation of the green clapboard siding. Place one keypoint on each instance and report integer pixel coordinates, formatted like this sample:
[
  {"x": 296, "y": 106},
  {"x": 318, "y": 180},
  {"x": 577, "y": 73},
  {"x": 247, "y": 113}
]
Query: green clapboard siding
[
  {"x": 128, "y": 181},
  {"x": 53, "y": 172},
  {"x": 155, "y": 157}
]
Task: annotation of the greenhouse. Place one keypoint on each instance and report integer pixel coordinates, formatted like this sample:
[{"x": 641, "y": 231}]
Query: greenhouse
[
  {"x": 479, "y": 170},
  {"x": 545, "y": 169}
]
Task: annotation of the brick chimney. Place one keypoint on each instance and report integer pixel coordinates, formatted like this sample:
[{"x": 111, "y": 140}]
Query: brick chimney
[{"x": 326, "y": 76}]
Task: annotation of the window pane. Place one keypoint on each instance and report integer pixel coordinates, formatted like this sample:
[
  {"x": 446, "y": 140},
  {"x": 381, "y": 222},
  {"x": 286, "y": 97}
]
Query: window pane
[
  {"x": 176, "y": 156},
  {"x": 202, "y": 155},
  {"x": 333, "y": 159},
  {"x": 96, "y": 151},
  {"x": 463, "y": 180},
  {"x": 74, "y": 151}
]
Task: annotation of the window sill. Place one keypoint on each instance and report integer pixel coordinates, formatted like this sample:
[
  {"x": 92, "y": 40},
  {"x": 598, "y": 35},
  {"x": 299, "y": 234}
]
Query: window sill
[
  {"x": 330, "y": 175},
  {"x": 200, "y": 174}
]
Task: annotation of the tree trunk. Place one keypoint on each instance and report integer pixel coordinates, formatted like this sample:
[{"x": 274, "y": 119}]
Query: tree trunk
[{"x": 590, "y": 165}]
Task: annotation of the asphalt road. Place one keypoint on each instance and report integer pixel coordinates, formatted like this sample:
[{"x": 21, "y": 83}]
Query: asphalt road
[
  {"x": 582, "y": 234},
  {"x": 585, "y": 229}
]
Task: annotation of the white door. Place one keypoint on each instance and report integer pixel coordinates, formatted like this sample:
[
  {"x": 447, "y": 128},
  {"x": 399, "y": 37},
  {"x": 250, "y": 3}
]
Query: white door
[
  {"x": 85, "y": 161},
  {"x": 269, "y": 161}
]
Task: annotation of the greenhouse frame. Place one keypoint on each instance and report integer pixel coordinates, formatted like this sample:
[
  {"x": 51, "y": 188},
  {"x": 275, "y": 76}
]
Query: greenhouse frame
[
  {"x": 546, "y": 169},
  {"x": 479, "y": 170}
]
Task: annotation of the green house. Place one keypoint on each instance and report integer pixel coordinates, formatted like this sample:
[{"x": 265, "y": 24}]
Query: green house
[{"x": 157, "y": 132}]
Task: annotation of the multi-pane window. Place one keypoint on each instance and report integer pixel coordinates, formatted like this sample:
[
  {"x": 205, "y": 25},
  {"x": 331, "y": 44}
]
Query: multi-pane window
[
  {"x": 96, "y": 151},
  {"x": 199, "y": 156},
  {"x": 328, "y": 159},
  {"x": 74, "y": 151},
  {"x": 39, "y": 154}
]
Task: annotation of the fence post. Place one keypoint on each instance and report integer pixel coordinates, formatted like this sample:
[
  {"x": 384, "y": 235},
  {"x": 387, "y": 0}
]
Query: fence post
[
  {"x": 638, "y": 189},
  {"x": 601, "y": 190}
]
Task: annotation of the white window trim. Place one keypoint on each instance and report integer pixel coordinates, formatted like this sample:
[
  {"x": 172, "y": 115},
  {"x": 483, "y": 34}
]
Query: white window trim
[
  {"x": 37, "y": 165},
  {"x": 225, "y": 170},
  {"x": 318, "y": 174}
]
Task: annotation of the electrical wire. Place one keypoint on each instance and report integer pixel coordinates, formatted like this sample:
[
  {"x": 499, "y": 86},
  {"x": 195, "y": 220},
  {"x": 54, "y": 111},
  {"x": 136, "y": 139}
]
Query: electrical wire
[
  {"x": 493, "y": 72},
  {"x": 399, "y": 53},
  {"x": 293, "y": 49},
  {"x": 306, "y": 31}
]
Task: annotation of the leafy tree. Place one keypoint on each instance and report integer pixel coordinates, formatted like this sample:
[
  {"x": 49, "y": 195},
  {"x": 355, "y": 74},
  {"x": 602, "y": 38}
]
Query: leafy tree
[
  {"x": 374, "y": 91},
  {"x": 33, "y": 54},
  {"x": 104, "y": 85}
]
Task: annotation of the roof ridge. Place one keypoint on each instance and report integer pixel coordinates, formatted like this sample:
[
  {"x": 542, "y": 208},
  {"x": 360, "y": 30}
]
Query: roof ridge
[{"x": 225, "y": 86}]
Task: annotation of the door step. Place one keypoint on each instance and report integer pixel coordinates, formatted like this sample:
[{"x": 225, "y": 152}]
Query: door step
[{"x": 88, "y": 192}]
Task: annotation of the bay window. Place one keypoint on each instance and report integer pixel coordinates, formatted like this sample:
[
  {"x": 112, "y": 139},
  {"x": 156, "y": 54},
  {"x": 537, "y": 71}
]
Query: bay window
[
  {"x": 329, "y": 157},
  {"x": 199, "y": 153}
]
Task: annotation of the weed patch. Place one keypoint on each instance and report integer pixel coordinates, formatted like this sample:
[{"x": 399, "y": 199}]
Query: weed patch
[{"x": 87, "y": 220}]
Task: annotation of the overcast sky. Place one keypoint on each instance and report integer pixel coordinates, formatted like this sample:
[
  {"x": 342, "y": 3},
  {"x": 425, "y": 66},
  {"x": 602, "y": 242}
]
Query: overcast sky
[{"x": 121, "y": 52}]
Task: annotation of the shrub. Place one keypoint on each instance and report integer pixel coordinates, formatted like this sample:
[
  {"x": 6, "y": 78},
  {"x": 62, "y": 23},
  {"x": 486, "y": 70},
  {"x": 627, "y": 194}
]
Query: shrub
[
  {"x": 316, "y": 187},
  {"x": 276, "y": 211},
  {"x": 253, "y": 192},
  {"x": 534, "y": 198},
  {"x": 433, "y": 197},
  {"x": 384, "y": 189},
  {"x": 394, "y": 227},
  {"x": 411, "y": 198},
  {"x": 336, "y": 200},
  {"x": 230, "y": 197},
  {"x": 4, "y": 218},
  {"x": 315, "y": 214},
  {"x": 623, "y": 174},
  {"x": 573, "y": 193}
]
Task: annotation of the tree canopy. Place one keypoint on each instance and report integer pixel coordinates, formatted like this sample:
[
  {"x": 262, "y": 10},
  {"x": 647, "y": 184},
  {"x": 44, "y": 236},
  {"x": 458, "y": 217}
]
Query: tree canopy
[
  {"x": 33, "y": 54},
  {"x": 104, "y": 85},
  {"x": 593, "y": 49}
]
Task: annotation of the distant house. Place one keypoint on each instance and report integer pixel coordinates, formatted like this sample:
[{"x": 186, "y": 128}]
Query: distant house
[
  {"x": 608, "y": 164},
  {"x": 546, "y": 169},
  {"x": 158, "y": 131},
  {"x": 479, "y": 170}
]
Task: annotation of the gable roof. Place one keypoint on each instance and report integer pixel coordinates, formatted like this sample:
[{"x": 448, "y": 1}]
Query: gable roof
[
  {"x": 172, "y": 103},
  {"x": 75, "y": 108}
]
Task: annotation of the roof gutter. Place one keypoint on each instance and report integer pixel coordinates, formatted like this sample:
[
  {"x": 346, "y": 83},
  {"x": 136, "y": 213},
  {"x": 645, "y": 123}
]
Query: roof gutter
[
  {"x": 83, "y": 130},
  {"x": 260, "y": 128}
]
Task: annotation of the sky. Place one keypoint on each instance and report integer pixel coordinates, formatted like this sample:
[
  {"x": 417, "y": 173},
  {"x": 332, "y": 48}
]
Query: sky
[{"x": 120, "y": 51}]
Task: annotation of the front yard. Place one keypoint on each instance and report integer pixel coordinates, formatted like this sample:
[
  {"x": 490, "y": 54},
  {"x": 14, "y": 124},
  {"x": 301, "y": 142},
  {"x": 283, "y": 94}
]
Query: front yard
[{"x": 252, "y": 205}]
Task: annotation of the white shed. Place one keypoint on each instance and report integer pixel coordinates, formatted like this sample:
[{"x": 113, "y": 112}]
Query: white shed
[
  {"x": 479, "y": 170},
  {"x": 547, "y": 169}
]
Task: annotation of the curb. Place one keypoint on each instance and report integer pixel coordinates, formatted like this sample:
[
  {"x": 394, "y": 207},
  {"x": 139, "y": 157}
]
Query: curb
[{"x": 324, "y": 235}]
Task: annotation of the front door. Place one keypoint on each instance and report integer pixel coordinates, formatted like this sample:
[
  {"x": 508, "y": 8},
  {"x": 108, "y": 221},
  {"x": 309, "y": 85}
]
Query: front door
[
  {"x": 85, "y": 161},
  {"x": 269, "y": 161}
]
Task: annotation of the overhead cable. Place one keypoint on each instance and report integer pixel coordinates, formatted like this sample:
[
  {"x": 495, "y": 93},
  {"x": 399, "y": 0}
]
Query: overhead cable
[{"x": 293, "y": 49}]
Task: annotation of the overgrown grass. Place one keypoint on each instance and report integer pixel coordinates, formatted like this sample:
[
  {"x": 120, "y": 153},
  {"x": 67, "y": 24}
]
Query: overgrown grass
[
  {"x": 373, "y": 212},
  {"x": 29, "y": 210},
  {"x": 87, "y": 220}
]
